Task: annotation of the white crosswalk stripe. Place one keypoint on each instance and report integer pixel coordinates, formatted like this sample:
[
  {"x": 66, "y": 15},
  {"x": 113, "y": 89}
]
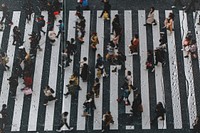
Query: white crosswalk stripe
[{"x": 50, "y": 120}]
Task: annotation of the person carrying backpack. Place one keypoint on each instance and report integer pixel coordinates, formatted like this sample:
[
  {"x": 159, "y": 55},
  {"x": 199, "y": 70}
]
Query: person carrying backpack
[
  {"x": 40, "y": 24},
  {"x": 48, "y": 92}
]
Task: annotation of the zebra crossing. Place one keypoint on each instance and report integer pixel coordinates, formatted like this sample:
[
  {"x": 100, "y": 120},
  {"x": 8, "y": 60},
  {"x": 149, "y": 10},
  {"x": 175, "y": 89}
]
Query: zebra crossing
[{"x": 50, "y": 120}]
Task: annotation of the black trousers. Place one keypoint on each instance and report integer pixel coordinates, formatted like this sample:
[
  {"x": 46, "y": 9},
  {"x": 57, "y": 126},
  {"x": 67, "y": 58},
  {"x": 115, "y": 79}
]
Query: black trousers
[{"x": 63, "y": 123}]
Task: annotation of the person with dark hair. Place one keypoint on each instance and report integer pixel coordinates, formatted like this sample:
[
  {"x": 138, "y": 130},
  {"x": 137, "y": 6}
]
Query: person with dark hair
[
  {"x": 134, "y": 46},
  {"x": 94, "y": 41},
  {"x": 107, "y": 8},
  {"x": 60, "y": 28},
  {"x": 150, "y": 19},
  {"x": 160, "y": 111},
  {"x": 48, "y": 92},
  {"x": 40, "y": 24},
  {"x": 107, "y": 119},
  {"x": 84, "y": 69},
  {"x": 149, "y": 62},
  {"x": 28, "y": 8},
  {"x": 160, "y": 56},
  {"x": 169, "y": 22},
  {"x": 6, "y": 14},
  {"x": 52, "y": 35},
  {"x": 17, "y": 36},
  {"x": 178, "y": 3},
  {"x": 136, "y": 107},
  {"x": 115, "y": 23},
  {"x": 4, "y": 114},
  {"x": 13, "y": 82},
  {"x": 64, "y": 122},
  {"x": 96, "y": 87}
]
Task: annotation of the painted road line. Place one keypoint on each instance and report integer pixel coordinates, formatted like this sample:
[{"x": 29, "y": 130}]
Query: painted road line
[
  {"x": 97, "y": 122},
  {"x": 129, "y": 59},
  {"x": 28, "y": 31},
  {"x": 174, "y": 78},
  {"x": 143, "y": 71},
  {"x": 81, "y": 121},
  {"x": 160, "y": 92},
  {"x": 10, "y": 52},
  {"x": 16, "y": 122},
  {"x": 66, "y": 104},
  {"x": 188, "y": 71},
  {"x": 114, "y": 96},
  {"x": 33, "y": 114},
  {"x": 1, "y": 32},
  {"x": 49, "y": 117}
]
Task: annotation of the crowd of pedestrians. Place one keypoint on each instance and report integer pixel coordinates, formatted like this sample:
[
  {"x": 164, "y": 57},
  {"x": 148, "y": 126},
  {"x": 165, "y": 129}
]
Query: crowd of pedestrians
[{"x": 113, "y": 56}]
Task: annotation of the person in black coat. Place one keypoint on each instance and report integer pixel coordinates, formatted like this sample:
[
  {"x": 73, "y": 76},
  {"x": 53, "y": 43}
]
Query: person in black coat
[
  {"x": 107, "y": 8},
  {"x": 84, "y": 72},
  {"x": 160, "y": 111},
  {"x": 149, "y": 62},
  {"x": 13, "y": 82},
  {"x": 160, "y": 54},
  {"x": 6, "y": 14},
  {"x": 4, "y": 113}
]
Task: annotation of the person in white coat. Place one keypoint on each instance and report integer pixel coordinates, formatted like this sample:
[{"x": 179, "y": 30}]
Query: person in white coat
[{"x": 150, "y": 18}]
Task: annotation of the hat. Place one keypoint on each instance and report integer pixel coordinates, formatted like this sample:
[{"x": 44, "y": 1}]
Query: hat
[{"x": 21, "y": 47}]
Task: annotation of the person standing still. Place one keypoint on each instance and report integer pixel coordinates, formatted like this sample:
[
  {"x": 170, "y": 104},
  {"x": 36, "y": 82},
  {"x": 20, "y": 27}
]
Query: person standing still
[{"x": 64, "y": 122}]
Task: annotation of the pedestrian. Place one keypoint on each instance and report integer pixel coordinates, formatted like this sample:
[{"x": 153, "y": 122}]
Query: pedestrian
[
  {"x": 99, "y": 61},
  {"x": 169, "y": 22},
  {"x": 84, "y": 69},
  {"x": 28, "y": 8},
  {"x": 191, "y": 5},
  {"x": 94, "y": 41},
  {"x": 136, "y": 107},
  {"x": 64, "y": 122},
  {"x": 107, "y": 119},
  {"x": 81, "y": 28},
  {"x": 88, "y": 104},
  {"x": 52, "y": 35},
  {"x": 48, "y": 93},
  {"x": 6, "y": 14},
  {"x": 13, "y": 82},
  {"x": 4, "y": 114},
  {"x": 160, "y": 56},
  {"x": 96, "y": 87},
  {"x": 115, "y": 39},
  {"x": 149, "y": 62},
  {"x": 40, "y": 24},
  {"x": 160, "y": 111},
  {"x": 4, "y": 59},
  {"x": 85, "y": 4},
  {"x": 115, "y": 23},
  {"x": 178, "y": 3},
  {"x": 196, "y": 124},
  {"x": 60, "y": 28},
  {"x": 107, "y": 8},
  {"x": 126, "y": 92},
  {"x": 150, "y": 18},
  {"x": 134, "y": 46},
  {"x": 17, "y": 36}
]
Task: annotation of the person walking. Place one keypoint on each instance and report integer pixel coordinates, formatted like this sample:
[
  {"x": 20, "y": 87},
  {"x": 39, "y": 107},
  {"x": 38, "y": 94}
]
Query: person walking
[
  {"x": 64, "y": 122},
  {"x": 169, "y": 22},
  {"x": 107, "y": 8},
  {"x": 96, "y": 87},
  {"x": 134, "y": 46},
  {"x": 40, "y": 24},
  {"x": 61, "y": 28},
  {"x": 160, "y": 111},
  {"x": 149, "y": 62},
  {"x": 107, "y": 119},
  {"x": 150, "y": 19},
  {"x": 28, "y": 8},
  {"x": 4, "y": 59},
  {"x": 84, "y": 69},
  {"x": 48, "y": 92},
  {"x": 6, "y": 14},
  {"x": 13, "y": 82},
  {"x": 94, "y": 41},
  {"x": 17, "y": 36},
  {"x": 137, "y": 107},
  {"x": 178, "y": 3},
  {"x": 4, "y": 114},
  {"x": 115, "y": 23},
  {"x": 196, "y": 124}
]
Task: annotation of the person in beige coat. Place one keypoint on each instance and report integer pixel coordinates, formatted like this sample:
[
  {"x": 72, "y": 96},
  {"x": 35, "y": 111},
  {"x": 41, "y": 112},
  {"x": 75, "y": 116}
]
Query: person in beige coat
[{"x": 150, "y": 18}]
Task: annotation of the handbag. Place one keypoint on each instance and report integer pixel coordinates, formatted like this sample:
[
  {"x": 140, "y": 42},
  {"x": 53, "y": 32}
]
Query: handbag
[{"x": 27, "y": 91}]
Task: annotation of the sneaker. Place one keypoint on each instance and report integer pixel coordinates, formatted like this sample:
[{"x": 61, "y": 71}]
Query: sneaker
[
  {"x": 71, "y": 128},
  {"x": 135, "y": 53},
  {"x": 153, "y": 70},
  {"x": 45, "y": 104},
  {"x": 186, "y": 56},
  {"x": 173, "y": 7},
  {"x": 184, "y": 7},
  {"x": 58, "y": 130},
  {"x": 102, "y": 130},
  {"x": 154, "y": 23}
]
